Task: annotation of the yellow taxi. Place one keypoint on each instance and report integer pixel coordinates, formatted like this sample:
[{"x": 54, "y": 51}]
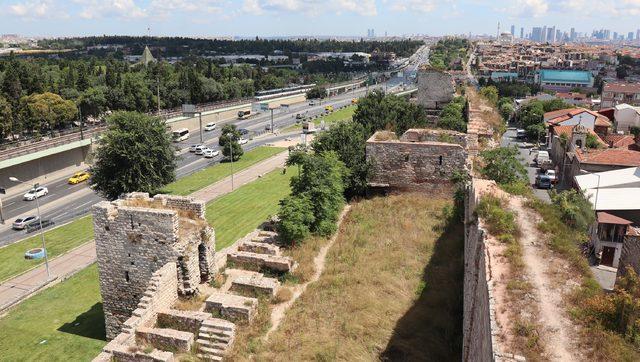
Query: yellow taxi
[
  {"x": 328, "y": 109},
  {"x": 354, "y": 101},
  {"x": 79, "y": 177}
]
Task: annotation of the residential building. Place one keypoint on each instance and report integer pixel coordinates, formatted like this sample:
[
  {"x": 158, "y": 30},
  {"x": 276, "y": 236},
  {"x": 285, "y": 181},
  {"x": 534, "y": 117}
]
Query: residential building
[
  {"x": 625, "y": 117},
  {"x": 564, "y": 80},
  {"x": 614, "y": 93}
]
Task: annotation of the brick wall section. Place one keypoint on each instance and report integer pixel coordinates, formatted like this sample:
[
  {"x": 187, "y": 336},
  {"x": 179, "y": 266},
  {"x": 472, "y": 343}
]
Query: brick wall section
[
  {"x": 630, "y": 255},
  {"x": 165, "y": 339},
  {"x": 415, "y": 166},
  {"x": 435, "y": 88},
  {"x": 134, "y": 241}
]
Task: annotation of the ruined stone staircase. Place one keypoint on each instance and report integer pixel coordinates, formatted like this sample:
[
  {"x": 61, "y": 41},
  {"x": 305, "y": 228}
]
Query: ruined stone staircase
[{"x": 215, "y": 337}]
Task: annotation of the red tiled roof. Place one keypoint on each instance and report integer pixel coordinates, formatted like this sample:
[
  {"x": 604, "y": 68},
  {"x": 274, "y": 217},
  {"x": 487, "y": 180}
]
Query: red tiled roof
[
  {"x": 619, "y": 140},
  {"x": 609, "y": 156},
  {"x": 567, "y": 130},
  {"x": 561, "y": 115},
  {"x": 606, "y": 218},
  {"x": 622, "y": 87}
]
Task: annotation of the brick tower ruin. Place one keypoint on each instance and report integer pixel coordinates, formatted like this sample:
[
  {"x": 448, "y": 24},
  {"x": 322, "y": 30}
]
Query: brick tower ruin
[{"x": 136, "y": 236}]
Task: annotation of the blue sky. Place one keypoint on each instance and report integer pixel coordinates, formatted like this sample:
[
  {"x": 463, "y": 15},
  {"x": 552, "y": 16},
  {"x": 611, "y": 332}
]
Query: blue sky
[{"x": 308, "y": 17}]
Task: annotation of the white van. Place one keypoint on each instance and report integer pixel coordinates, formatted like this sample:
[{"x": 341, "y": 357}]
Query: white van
[
  {"x": 181, "y": 134},
  {"x": 541, "y": 158},
  {"x": 210, "y": 126}
]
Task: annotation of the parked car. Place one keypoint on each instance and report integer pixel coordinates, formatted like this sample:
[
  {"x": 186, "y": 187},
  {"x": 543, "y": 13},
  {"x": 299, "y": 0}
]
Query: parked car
[
  {"x": 200, "y": 149},
  {"x": 243, "y": 131},
  {"x": 521, "y": 134},
  {"x": 22, "y": 222},
  {"x": 209, "y": 153},
  {"x": 541, "y": 158},
  {"x": 243, "y": 141},
  {"x": 543, "y": 181},
  {"x": 36, "y": 193},
  {"x": 312, "y": 102},
  {"x": 299, "y": 116},
  {"x": 552, "y": 176},
  {"x": 210, "y": 126},
  {"x": 36, "y": 225},
  {"x": 79, "y": 177},
  {"x": 192, "y": 148},
  {"x": 328, "y": 109}
]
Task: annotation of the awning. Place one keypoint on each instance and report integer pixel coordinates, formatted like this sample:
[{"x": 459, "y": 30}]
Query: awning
[{"x": 606, "y": 218}]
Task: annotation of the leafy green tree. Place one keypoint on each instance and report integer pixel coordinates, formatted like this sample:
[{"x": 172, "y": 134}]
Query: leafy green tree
[
  {"x": 575, "y": 208},
  {"x": 93, "y": 102},
  {"x": 296, "y": 216},
  {"x": 506, "y": 110},
  {"x": 47, "y": 110},
  {"x": 229, "y": 142},
  {"x": 11, "y": 85},
  {"x": 536, "y": 131},
  {"x": 555, "y": 104},
  {"x": 6, "y": 118},
  {"x": 135, "y": 154},
  {"x": 348, "y": 140},
  {"x": 531, "y": 113},
  {"x": 490, "y": 93},
  {"x": 317, "y": 92},
  {"x": 502, "y": 166},
  {"x": 321, "y": 182},
  {"x": 378, "y": 111}
]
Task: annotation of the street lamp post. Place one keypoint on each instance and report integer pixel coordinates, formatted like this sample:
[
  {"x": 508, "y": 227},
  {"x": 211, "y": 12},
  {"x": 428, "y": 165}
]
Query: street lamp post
[{"x": 44, "y": 245}]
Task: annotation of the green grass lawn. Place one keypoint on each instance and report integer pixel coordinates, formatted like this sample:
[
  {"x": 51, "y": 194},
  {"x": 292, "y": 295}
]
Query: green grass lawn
[
  {"x": 62, "y": 323},
  {"x": 236, "y": 214},
  {"x": 209, "y": 175},
  {"x": 339, "y": 115},
  {"x": 59, "y": 241},
  {"x": 69, "y": 315}
]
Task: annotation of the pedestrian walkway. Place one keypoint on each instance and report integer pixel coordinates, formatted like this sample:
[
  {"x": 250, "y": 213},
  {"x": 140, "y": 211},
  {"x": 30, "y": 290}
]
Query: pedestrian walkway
[{"x": 14, "y": 290}]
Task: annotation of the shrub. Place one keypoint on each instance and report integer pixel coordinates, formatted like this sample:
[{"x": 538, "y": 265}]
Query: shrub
[
  {"x": 296, "y": 215},
  {"x": 502, "y": 166},
  {"x": 574, "y": 207}
]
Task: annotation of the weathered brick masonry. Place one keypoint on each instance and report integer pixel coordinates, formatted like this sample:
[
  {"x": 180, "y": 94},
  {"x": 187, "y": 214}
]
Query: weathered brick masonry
[
  {"x": 421, "y": 160},
  {"x": 435, "y": 88},
  {"x": 136, "y": 236}
]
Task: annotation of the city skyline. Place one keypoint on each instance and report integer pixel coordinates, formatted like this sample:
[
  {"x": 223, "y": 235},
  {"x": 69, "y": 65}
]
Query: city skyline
[{"x": 306, "y": 17}]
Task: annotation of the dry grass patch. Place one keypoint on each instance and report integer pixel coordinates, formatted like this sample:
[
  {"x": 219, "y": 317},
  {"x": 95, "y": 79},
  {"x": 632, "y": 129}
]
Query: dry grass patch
[
  {"x": 191, "y": 303},
  {"x": 283, "y": 294},
  {"x": 391, "y": 289}
]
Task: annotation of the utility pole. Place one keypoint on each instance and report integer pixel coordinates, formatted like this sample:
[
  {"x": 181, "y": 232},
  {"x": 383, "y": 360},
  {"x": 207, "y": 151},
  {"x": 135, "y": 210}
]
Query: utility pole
[
  {"x": 271, "y": 120},
  {"x": 200, "y": 118},
  {"x": 231, "y": 139},
  {"x": 81, "y": 122}
]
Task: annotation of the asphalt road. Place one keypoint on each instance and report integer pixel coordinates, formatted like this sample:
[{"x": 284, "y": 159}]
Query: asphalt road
[
  {"x": 526, "y": 158},
  {"x": 62, "y": 211}
]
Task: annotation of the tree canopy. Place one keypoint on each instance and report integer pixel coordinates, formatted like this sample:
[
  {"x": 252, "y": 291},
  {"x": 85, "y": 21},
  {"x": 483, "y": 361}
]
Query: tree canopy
[
  {"x": 502, "y": 165},
  {"x": 378, "y": 111},
  {"x": 135, "y": 154}
]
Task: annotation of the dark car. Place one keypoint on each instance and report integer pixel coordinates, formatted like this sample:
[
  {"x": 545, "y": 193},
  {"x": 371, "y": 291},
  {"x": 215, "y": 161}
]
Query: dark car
[
  {"x": 543, "y": 181},
  {"x": 243, "y": 131},
  {"x": 35, "y": 226}
]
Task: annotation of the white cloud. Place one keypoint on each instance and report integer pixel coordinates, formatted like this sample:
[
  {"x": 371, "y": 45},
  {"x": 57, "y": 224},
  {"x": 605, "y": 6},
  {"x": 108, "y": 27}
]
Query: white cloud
[
  {"x": 165, "y": 8},
  {"x": 32, "y": 9},
  {"x": 423, "y": 6},
  {"x": 127, "y": 9},
  {"x": 530, "y": 8},
  {"x": 311, "y": 7}
]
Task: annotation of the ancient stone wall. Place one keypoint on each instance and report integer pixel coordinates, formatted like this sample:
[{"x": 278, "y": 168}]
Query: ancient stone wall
[
  {"x": 435, "y": 88},
  {"x": 434, "y": 135},
  {"x": 138, "y": 235},
  {"x": 414, "y": 166},
  {"x": 630, "y": 255}
]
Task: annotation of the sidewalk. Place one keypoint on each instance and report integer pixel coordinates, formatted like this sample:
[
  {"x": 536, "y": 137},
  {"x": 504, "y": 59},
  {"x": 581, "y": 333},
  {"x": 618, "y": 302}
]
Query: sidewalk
[{"x": 15, "y": 290}]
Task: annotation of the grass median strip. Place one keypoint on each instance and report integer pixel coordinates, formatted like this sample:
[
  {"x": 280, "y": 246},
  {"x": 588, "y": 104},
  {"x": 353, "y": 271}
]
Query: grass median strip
[
  {"x": 68, "y": 316},
  {"x": 59, "y": 241},
  {"x": 339, "y": 115},
  {"x": 217, "y": 172},
  {"x": 236, "y": 214}
]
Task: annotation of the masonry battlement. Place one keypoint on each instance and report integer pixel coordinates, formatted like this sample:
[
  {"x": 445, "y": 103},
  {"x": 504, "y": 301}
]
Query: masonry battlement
[{"x": 136, "y": 236}]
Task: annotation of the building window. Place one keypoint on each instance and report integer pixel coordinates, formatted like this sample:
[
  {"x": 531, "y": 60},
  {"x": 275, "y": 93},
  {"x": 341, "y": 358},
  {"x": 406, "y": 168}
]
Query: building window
[
  {"x": 126, "y": 276},
  {"x": 406, "y": 158},
  {"x": 440, "y": 160}
]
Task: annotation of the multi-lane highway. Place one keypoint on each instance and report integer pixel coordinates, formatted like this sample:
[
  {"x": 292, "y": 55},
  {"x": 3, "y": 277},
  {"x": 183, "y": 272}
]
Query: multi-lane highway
[{"x": 66, "y": 202}]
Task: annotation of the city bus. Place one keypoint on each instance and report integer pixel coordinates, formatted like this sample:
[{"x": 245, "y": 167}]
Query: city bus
[
  {"x": 181, "y": 134},
  {"x": 244, "y": 114}
]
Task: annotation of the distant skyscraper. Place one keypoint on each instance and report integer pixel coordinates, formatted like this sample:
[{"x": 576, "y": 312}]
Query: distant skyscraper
[
  {"x": 630, "y": 36},
  {"x": 513, "y": 30},
  {"x": 615, "y": 35},
  {"x": 543, "y": 38},
  {"x": 572, "y": 35},
  {"x": 638, "y": 34},
  {"x": 536, "y": 34},
  {"x": 522, "y": 33}
]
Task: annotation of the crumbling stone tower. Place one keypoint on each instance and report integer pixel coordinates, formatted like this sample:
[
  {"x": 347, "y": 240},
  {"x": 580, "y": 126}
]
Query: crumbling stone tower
[
  {"x": 137, "y": 235},
  {"x": 435, "y": 88}
]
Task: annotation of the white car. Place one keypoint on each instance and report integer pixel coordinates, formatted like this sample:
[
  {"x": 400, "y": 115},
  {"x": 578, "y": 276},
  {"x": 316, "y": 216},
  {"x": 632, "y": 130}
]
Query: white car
[
  {"x": 209, "y": 126},
  {"x": 35, "y": 193},
  {"x": 209, "y": 153},
  {"x": 200, "y": 149},
  {"x": 243, "y": 141},
  {"x": 192, "y": 148},
  {"x": 22, "y": 222}
]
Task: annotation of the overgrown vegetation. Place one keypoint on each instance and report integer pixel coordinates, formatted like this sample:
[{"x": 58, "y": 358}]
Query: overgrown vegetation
[
  {"x": 378, "y": 111},
  {"x": 228, "y": 140},
  {"x": 450, "y": 53},
  {"x": 501, "y": 223},
  {"x": 530, "y": 116},
  {"x": 502, "y": 166},
  {"x": 316, "y": 197},
  {"x": 453, "y": 116},
  {"x": 370, "y": 308}
]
